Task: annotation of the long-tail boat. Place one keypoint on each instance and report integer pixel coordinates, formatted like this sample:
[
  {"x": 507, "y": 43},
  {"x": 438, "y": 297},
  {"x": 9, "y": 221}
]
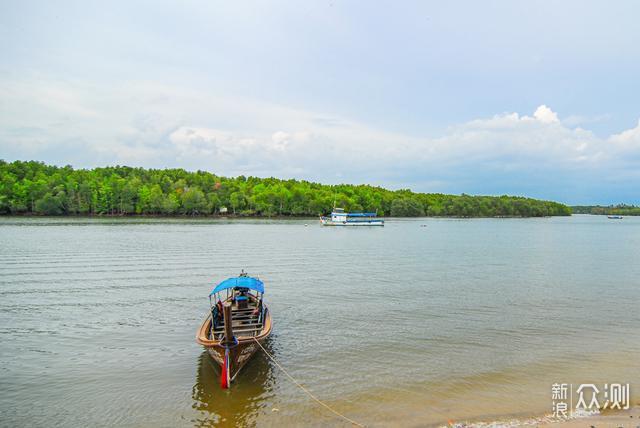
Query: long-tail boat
[{"x": 237, "y": 320}]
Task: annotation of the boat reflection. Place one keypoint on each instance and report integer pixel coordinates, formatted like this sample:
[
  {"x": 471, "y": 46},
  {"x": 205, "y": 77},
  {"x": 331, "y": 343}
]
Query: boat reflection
[{"x": 242, "y": 403}]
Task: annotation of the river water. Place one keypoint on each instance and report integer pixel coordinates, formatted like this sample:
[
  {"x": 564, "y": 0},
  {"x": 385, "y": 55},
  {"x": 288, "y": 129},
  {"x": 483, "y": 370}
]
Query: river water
[{"x": 414, "y": 324}]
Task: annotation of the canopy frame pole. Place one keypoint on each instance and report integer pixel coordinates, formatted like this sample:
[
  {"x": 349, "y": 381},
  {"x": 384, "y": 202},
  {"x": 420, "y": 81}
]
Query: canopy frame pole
[{"x": 213, "y": 321}]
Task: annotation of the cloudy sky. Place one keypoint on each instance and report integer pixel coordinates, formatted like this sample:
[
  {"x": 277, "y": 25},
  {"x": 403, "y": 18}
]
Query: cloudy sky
[{"x": 530, "y": 98}]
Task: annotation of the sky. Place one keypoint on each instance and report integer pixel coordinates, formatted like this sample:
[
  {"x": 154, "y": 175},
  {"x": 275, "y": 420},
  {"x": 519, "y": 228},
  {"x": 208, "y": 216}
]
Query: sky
[{"x": 531, "y": 98}]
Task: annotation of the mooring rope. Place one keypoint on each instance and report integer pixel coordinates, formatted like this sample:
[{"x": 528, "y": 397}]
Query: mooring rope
[{"x": 309, "y": 393}]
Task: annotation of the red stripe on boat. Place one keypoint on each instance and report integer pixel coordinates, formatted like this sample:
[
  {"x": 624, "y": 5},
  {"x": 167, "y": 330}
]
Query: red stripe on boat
[{"x": 224, "y": 376}]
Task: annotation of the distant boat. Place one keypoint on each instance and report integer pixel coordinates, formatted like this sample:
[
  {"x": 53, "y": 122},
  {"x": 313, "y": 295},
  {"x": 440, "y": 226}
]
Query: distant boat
[
  {"x": 341, "y": 218},
  {"x": 615, "y": 217},
  {"x": 237, "y": 320}
]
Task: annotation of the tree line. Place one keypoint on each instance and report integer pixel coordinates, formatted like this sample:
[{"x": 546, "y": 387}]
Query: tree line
[
  {"x": 620, "y": 209},
  {"x": 36, "y": 188}
]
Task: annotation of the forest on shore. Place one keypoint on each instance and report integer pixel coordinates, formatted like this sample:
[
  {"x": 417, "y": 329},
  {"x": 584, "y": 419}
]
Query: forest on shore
[
  {"x": 31, "y": 187},
  {"x": 620, "y": 209}
]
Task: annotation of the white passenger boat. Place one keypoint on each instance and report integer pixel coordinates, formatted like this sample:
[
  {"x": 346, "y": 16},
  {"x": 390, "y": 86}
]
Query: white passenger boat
[{"x": 341, "y": 218}]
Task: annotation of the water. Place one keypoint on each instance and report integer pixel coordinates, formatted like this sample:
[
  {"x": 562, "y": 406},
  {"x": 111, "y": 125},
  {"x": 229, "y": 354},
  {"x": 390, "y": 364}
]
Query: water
[{"x": 402, "y": 325}]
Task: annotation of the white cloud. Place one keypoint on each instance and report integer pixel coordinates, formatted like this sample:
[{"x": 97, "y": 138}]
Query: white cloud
[
  {"x": 629, "y": 139},
  {"x": 155, "y": 126},
  {"x": 280, "y": 140},
  {"x": 545, "y": 114},
  {"x": 280, "y": 137}
]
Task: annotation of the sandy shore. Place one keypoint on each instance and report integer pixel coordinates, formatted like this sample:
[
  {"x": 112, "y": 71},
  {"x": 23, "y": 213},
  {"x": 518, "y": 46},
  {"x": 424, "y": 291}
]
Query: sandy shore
[
  {"x": 618, "y": 419},
  {"x": 627, "y": 419}
]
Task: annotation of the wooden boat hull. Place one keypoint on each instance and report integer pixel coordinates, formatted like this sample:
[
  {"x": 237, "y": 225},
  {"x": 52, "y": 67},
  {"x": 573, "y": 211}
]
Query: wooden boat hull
[{"x": 239, "y": 353}]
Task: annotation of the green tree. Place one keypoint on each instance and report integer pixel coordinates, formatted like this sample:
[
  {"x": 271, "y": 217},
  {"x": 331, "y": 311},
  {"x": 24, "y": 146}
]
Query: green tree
[
  {"x": 170, "y": 204},
  {"x": 194, "y": 201},
  {"x": 34, "y": 187},
  {"x": 406, "y": 207},
  {"x": 238, "y": 201},
  {"x": 49, "y": 205}
]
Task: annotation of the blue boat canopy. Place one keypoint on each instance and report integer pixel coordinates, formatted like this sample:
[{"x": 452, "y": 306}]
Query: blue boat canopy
[
  {"x": 240, "y": 281},
  {"x": 362, "y": 215}
]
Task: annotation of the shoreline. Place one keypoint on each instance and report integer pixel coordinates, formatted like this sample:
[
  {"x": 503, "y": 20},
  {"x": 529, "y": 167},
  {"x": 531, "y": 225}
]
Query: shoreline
[
  {"x": 629, "y": 418},
  {"x": 247, "y": 217},
  {"x": 607, "y": 419}
]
